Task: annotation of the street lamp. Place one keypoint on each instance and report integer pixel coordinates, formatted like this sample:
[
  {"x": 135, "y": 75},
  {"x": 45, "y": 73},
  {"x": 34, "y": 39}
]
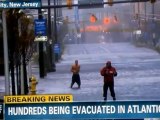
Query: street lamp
[
  {"x": 41, "y": 54},
  {"x": 52, "y": 67}
]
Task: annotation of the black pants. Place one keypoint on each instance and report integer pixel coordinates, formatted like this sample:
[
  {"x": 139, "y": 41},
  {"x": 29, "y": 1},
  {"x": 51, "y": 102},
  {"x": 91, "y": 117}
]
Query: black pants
[
  {"x": 105, "y": 89},
  {"x": 76, "y": 78}
]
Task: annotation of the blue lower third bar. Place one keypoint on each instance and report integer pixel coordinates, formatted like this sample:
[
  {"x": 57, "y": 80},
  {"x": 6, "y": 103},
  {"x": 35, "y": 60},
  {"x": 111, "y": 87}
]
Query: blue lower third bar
[
  {"x": 1, "y": 110},
  {"x": 84, "y": 110}
]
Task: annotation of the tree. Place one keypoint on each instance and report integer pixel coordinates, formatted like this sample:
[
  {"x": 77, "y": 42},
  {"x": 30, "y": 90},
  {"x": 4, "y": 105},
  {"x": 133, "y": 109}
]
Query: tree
[
  {"x": 26, "y": 41},
  {"x": 13, "y": 35},
  {"x": 20, "y": 43}
]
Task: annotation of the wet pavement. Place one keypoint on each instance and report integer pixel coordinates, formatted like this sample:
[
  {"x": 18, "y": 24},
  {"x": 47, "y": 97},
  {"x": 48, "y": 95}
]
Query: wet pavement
[{"x": 138, "y": 72}]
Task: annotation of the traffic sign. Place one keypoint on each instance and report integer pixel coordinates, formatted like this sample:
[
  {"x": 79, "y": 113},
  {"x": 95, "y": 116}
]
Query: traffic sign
[
  {"x": 40, "y": 38},
  {"x": 56, "y": 48},
  {"x": 40, "y": 27}
]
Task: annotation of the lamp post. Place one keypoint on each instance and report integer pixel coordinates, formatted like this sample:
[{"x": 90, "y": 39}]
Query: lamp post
[
  {"x": 41, "y": 55},
  {"x": 55, "y": 30},
  {"x": 5, "y": 44},
  {"x": 76, "y": 12},
  {"x": 139, "y": 18},
  {"x": 52, "y": 67}
]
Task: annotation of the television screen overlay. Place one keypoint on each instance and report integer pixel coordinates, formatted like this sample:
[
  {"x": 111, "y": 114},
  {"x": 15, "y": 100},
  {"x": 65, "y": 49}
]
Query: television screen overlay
[{"x": 80, "y": 60}]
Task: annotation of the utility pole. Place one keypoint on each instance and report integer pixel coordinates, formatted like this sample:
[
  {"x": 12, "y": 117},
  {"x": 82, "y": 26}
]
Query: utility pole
[
  {"x": 77, "y": 20},
  {"x": 50, "y": 43},
  {"x": 6, "y": 62},
  {"x": 145, "y": 12},
  {"x": 55, "y": 30},
  {"x": 153, "y": 26},
  {"x": 139, "y": 17},
  {"x": 152, "y": 12},
  {"x": 41, "y": 54},
  {"x": 145, "y": 22}
]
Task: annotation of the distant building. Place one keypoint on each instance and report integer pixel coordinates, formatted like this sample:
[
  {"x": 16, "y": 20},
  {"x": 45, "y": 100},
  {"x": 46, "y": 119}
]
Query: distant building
[{"x": 147, "y": 11}]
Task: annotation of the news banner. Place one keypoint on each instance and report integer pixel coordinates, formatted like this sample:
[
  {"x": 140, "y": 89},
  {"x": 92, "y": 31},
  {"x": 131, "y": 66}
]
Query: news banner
[
  {"x": 62, "y": 106},
  {"x": 19, "y": 4}
]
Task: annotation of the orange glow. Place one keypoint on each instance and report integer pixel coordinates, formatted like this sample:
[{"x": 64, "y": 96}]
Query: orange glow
[
  {"x": 106, "y": 20},
  {"x": 92, "y": 28},
  {"x": 93, "y": 19},
  {"x": 69, "y": 3},
  {"x": 102, "y": 28}
]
